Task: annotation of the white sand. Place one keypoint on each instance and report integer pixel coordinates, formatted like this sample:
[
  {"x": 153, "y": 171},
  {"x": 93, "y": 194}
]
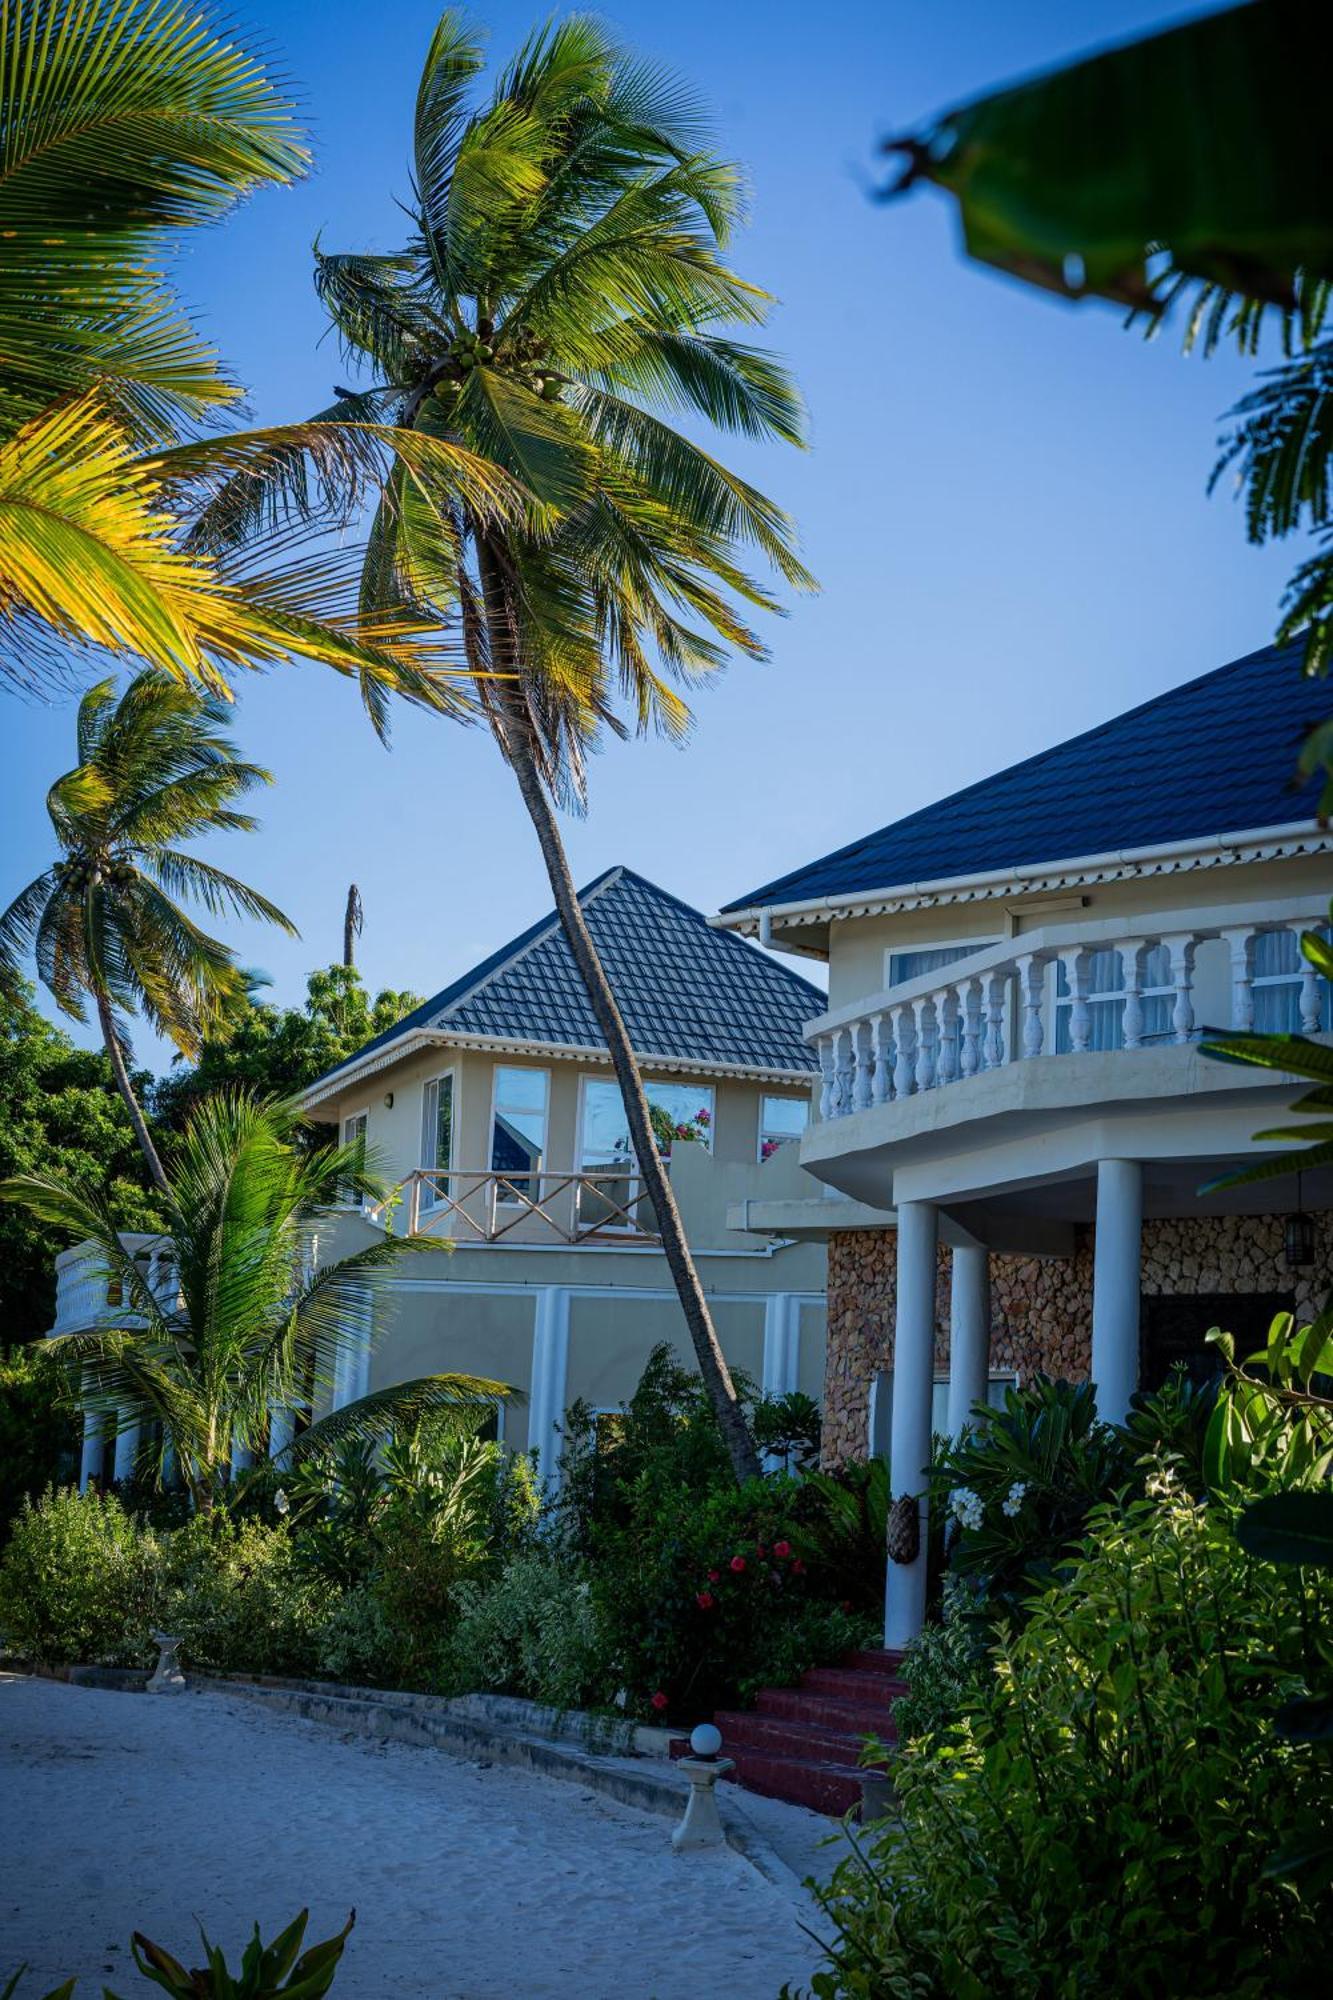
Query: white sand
[{"x": 121, "y": 1812}]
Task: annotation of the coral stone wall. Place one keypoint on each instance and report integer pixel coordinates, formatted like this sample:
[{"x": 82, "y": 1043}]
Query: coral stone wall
[{"x": 1041, "y": 1307}]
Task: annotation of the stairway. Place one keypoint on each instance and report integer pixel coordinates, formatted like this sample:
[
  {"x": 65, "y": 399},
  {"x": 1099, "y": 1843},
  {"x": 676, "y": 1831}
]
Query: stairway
[{"x": 803, "y": 1744}]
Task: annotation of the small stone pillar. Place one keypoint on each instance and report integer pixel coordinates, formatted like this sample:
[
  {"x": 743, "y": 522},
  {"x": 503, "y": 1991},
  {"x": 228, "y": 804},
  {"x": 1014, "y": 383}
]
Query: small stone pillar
[
  {"x": 702, "y": 1824},
  {"x": 167, "y": 1676}
]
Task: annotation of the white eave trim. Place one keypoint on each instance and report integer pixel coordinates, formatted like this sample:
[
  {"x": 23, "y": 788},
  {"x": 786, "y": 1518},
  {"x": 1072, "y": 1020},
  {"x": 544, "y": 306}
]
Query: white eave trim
[
  {"x": 416, "y": 1039},
  {"x": 1171, "y": 857}
]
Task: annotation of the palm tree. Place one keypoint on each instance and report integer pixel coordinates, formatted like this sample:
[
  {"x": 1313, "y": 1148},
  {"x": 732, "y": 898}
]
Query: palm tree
[
  {"x": 104, "y": 922},
  {"x": 563, "y": 294},
  {"x": 253, "y": 1324},
  {"x": 121, "y": 123}
]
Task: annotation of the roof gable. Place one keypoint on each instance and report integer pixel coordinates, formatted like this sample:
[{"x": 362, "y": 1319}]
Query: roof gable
[
  {"x": 687, "y": 992},
  {"x": 1215, "y": 756}
]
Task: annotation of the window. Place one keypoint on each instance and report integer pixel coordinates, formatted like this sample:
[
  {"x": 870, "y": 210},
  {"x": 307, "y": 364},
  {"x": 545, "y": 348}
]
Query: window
[
  {"x": 1279, "y": 968},
  {"x": 518, "y": 1131},
  {"x": 681, "y": 1113},
  {"x": 1106, "y": 1000},
  {"x": 905, "y": 965},
  {"x": 437, "y": 1137},
  {"x": 780, "y": 1119},
  {"x": 354, "y": 1139}
]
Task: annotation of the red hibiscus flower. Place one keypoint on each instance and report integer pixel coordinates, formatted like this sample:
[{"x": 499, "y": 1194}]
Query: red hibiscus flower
[
  {"x": 715, "y": 1576},
  {"x": 738, "y": 1564},
  {"x": 781, "y": 1550},
  {"x": 705, "y": 1600},
  {"x": 659, "y": 1701}
]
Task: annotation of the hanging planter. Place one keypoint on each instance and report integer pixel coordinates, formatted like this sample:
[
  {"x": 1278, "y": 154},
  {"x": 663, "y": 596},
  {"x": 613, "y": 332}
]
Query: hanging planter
[{"x": 903, "y": 1534}]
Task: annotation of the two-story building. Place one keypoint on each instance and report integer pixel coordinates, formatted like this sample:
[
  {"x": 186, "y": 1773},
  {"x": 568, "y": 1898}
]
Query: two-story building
[
  {"x": 1013, "y": 1103},
  {"x": 493, "y": 1112}
]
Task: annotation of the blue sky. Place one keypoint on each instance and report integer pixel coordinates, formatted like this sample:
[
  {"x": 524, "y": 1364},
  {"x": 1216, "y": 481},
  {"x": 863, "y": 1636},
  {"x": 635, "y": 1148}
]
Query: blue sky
[{"x": 1005, "y": 500}]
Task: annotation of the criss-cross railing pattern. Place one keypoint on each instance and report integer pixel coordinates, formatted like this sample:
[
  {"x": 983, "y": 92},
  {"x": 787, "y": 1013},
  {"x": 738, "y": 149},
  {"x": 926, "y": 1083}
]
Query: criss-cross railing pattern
[{"x": 485, "y": 1206}]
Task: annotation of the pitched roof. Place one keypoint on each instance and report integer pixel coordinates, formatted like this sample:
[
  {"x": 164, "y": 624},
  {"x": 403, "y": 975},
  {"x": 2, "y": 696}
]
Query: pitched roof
[
  {"x": 1215, "y": 756},
  {"x": 687, "y": 992}
]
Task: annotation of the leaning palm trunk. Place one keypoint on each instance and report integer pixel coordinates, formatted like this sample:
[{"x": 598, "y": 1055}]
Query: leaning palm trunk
[
  {"x": 513, "y": 728},
  {"x": 122, "y": 1075}
]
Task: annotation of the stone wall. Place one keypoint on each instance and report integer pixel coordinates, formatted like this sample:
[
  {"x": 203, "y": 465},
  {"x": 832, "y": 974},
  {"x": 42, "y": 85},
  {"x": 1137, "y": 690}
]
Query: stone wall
[{"x": 1041, "y": 1307}]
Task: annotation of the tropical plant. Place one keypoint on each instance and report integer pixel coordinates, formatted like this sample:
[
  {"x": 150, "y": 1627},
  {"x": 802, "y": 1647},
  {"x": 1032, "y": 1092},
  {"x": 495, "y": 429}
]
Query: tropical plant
[
  {"x": 563, "y": 293},
  {"x": 1273, "y": 1431},
  {"x": 78, "y": 1581},
  {"x": 104, "y": 921},
  {"x": 37, "y": 1437},
  {"x": 1101, "y": 1817},
  {"x": 790, "y": 1428},
  {"x": 62, "y": 1114},
  {"x": 123, "y": 122},
  {"x": 252, "y": 1324},
  {"x": 266, "y": 1970}
]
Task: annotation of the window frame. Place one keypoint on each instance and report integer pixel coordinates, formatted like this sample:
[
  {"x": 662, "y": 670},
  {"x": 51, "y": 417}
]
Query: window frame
[
  {"x": 634, "y": 1177},
  {"x": 346, "y": 1199},
  {"x": 431, "y": 1195},
  {"x": 525, "y": 1069},
  {"x": 1156, "y": 1038},
  {"x": 965, "y": 947},
  {"x": 764, "y": 1096}
]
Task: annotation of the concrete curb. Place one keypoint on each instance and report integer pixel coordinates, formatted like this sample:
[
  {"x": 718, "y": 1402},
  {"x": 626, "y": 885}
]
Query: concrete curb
[{"x": 432, "y": 1722}]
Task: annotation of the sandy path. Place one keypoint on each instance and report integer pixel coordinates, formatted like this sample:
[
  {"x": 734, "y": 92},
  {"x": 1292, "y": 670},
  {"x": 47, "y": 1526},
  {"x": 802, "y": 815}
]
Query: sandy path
[{"x": 120, "y": 1812}]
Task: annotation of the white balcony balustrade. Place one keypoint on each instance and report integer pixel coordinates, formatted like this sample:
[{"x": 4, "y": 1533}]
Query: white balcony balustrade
[{"x": 1067, "y": 990}]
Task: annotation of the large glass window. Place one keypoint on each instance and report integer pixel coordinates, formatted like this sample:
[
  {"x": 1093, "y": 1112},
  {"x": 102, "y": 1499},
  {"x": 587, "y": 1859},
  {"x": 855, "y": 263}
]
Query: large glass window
[
  {"x": 781, "y": 1119},
  {"x": 518, "y": 1131},
  {"x": 437, "y": 1137},
  {"x": 681, "y": 1113},
  {"x": 905, "y": 965},
  {"x": 1279, "y": 969}
]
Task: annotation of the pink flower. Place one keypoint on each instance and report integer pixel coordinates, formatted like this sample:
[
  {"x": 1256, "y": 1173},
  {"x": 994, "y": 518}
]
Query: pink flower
[
  {"x": 659, "y": 1701},
  {"x": 738, "y": 1564},
  {"x": 703, "y": 1117},
  {"x": 705, "y": 1600},
  {"x": 781, "y": 1550},
  {"x": 714, "y": 1576}
]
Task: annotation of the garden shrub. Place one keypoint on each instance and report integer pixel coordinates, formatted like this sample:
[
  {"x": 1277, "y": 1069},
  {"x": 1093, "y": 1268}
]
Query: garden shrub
[
  {"x": 78, "y": 1582},
  {"x": 1103, "y": 1817},
  {"x": 941, "y": 1667},
  {"x": 534, "y": 1630},
  {"x": 355, "y": 1641},
  {"x": 234, "y": 1594},
  {"x": 38, "y": 1435}
]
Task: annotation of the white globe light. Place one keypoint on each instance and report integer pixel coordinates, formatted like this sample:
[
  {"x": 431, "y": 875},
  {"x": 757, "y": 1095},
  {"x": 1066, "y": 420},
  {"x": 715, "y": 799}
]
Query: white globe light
[{"x": 705, "y": 1740}]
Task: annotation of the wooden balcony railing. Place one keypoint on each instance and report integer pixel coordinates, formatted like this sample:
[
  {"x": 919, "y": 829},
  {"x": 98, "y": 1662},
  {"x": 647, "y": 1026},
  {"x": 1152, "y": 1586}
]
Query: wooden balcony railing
[{"x": 601, "y": 1205}]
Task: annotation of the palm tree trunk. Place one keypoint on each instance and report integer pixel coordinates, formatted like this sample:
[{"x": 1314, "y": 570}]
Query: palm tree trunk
[
  {"x": 126, "y": 1089},
  {"x": 517, "y": 745}
]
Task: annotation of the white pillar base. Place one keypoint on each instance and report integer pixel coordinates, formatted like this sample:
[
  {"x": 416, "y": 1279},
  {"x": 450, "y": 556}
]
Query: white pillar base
[
  {"x": 969, "y": 1334},
  {"x": 913, "y": 1377},
  {"x": 1116, "y": 1278},
  {"x": 550, "y": 1364}
]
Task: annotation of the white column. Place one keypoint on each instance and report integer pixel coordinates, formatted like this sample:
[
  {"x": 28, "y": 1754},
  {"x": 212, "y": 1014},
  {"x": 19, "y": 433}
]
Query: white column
[
  {"x": 782, "y": 1354},
  {"x": 281, "y": 1429},
  {"x": 550, "y": 1363},
  {"x": 913, "y": 1375},
  {"x": 351, "y": 1367},
  {"x": 127, "y": 1451},
  {"x": 1115, "y": 1286},
  {"x": 969, "y": 1334},
  {"x": 90, "y": 1465}
]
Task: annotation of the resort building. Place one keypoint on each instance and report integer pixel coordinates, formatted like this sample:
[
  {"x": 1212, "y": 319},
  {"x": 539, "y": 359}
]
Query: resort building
[
  {"x": 494, "y": 1113},
  {"x": 1013, "y": 1105}
]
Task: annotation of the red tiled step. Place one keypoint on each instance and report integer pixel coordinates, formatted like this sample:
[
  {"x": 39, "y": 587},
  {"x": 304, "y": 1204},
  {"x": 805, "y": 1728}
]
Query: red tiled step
[
  {"x": 854, "y": 1718},
  {"x": 823, "y": 1787},
  {"x": 880, "y": 1660},
  {"x": 851, "y": 1684},
  {"x": 789, "y": 1738}
]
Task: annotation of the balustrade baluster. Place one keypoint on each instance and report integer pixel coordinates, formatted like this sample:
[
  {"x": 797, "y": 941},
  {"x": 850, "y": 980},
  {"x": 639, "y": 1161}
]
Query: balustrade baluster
[
  {"x": 1032, "y": 987},
  {"x": 969, "y": 997},
  {"x": 1241, "y": 945},
  {"x": 947, "y": 1068},
  {"x": 1077, "y": 965},
  {"x": 1312, "y": 998},
  {"x": 1131, "y": 972},
  {"x": 927, "y": 1035},
  {"x": 1180, "y": 948},
  {"x": 844, "y": 1063},
  {"x": 881, "y": 1075},
  {"x": 993, "y": 1045},
  {"x": 904, "y": 1040},
  {"x": 824, "y": 1050},
  {"x": 864, "y": 1070}
]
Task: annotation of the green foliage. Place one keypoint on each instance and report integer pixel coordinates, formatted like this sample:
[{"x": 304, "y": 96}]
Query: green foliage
[
  {"x": 277, "y": 1051},
  {"x": 789, "y": 1427},
  {"x": 37, "y": 1433},
  {"x": 78, "y": 1582},
  {"x": 266, "y": 1970},
  {"x": 1020, "y": 1484},
  {"x": 1268, "y": 1431},
  {"x": 844, "y": 1520},
  {"x": 62, "y": 1117},
  {"x": 534, "y": 1630},
  {"x": 235, "y": 1595},
  {"x": 1101, "y": 1818},
  {"x": 941, "y": 1667},
  {"x": 1169, "y": 1426}
]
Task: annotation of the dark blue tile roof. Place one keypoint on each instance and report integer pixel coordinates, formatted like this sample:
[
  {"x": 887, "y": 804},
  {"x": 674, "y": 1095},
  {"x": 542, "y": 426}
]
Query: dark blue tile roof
[
  {"x": 1215, "y": 756},
  {"x": 686, "y": 991}
]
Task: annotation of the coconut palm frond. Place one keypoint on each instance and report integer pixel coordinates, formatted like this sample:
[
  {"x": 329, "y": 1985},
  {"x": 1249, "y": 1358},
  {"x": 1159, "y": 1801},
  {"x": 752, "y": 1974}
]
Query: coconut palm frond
[{"x": 400, "y": 1406}]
